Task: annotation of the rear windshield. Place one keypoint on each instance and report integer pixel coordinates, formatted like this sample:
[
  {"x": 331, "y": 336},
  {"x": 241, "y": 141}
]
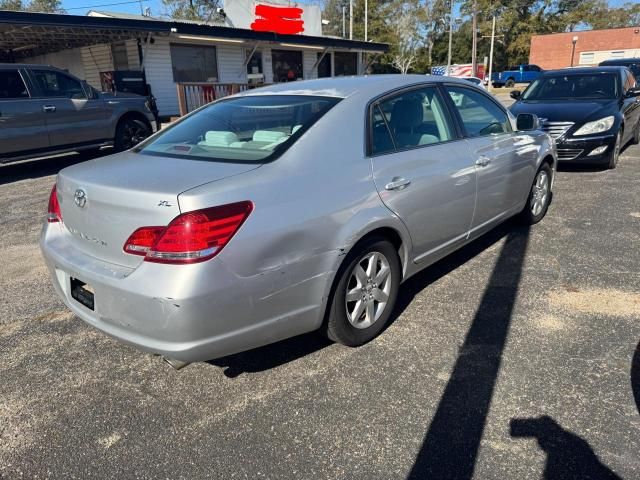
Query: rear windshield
[
  {"x": 581, "y": 86},
  {"x": 243, "y": 129}
]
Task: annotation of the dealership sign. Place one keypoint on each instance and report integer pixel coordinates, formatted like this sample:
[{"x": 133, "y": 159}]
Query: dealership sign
[{"x": 287, "y": 20}]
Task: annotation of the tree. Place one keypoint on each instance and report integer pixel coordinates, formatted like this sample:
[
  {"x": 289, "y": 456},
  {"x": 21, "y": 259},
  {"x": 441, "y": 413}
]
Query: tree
[
  {"x": 40, "y": 6},
  {"x": 407, "y": 29},
  {"x": 204, "y": 10}
]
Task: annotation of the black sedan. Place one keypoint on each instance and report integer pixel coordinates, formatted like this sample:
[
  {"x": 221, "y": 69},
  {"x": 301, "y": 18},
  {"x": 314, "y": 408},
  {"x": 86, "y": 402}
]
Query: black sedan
[{"x": 591, "y": 112}]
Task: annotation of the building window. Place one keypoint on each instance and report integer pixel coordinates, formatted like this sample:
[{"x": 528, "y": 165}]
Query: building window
[
  {"x": 287, "y": 65},
  {"x": 254, "y": 65},
  {"x": 618, "y": 54},
  {"x": 345, "y": 63},
  {"x": 586, "y": 58},
  {"x": 119, "y": 55},
  {"x": 324, "y": 67},
  {"x": 194, "y": 63}
]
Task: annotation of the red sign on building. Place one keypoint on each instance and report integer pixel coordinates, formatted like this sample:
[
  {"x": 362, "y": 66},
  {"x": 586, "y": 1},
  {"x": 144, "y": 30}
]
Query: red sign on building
[{"x": 286, "y": 20}]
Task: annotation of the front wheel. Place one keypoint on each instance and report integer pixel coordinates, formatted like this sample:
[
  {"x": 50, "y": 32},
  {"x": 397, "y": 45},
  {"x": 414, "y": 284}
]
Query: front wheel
[
  {"x": 510, "y": 83},
  {"x": 129, "y": 133},
  {"x": 365, "y": 293},
  {"x": 615, "y": 153},
  {"x": 539, "y": 196}
]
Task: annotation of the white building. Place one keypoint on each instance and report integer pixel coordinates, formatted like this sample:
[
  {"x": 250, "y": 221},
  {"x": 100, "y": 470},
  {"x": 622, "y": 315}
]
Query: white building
[{"x": 173, "y": 52}]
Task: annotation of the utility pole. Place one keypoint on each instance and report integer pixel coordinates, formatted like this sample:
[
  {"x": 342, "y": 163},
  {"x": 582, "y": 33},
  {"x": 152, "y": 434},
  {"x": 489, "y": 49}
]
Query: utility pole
[
  {"x": 366, "y": 20},
  {"x": 350, "y": 19},
  {"x": 474, "y": 45},
  {"x": 493, "y": 35},
  {"x": 450, "y": 39},
  {"x": 344, "y": 23}
]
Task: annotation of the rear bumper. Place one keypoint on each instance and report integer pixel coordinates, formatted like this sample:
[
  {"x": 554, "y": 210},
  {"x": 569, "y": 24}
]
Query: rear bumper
[
  {"x": 579, "y": 150},
  {"x": 188, "y": 312}
]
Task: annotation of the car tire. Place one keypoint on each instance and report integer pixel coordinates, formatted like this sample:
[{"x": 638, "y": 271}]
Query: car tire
[
  {"x": 612, "y": 159},
  {"x": 510, "y": 83},
  {"x": 539, "y": 197},
  {"x": 129, "y": 133},
  {"x": 636, "y": 134},
  {"x": 356, "y": 319}
]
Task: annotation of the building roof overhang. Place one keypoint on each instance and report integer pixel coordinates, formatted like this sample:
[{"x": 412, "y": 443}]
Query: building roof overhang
[{"x": 25, "y": 34}]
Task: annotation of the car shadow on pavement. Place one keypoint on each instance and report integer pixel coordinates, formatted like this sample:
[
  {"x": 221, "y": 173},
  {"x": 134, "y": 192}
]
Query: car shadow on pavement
[
  {"x": 13, "y": 172},
  {"x": 271, "y": 356},
  {"x": 569, "y": 457},
  {"x": 451, "y": 444}
]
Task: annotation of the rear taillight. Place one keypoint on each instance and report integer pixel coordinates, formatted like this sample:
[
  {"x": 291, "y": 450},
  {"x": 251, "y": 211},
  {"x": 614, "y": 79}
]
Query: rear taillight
[
  {"x": 53, "y": 213},
  {"x": 191, "y": 237}
]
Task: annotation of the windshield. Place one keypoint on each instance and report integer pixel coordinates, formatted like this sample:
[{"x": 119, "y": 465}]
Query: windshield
[
  {"x": 242, "y": 129},
  {"x": 573, "y": 86}
]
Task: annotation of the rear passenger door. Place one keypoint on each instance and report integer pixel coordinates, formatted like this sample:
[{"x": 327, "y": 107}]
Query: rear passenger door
[
  {"x": 22, "y": 125},
  {"x": 422, "y": 169},
  {"x": 73, "y": 117},
  {"x": 502, "y": 158}
]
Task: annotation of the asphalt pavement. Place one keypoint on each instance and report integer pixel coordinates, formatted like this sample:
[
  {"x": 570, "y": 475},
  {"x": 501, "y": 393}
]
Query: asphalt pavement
[{"x": 511, "y": 359}]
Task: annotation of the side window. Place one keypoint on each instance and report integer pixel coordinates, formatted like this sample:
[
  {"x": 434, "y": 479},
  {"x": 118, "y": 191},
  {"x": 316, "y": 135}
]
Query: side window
[
  {"x": 56, "y": 84},
  {"x": 480, "y": 115},
  {"x": 381, "y": 141},
  {"x": 11, "y": 85},
  {"x": 415, "y": 118}
]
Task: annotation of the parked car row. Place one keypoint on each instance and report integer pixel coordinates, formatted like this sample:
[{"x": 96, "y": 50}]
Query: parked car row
[
  {"x": 45, "y": 111},
  {"x": 590, "y": 112},
  {"x": 287, "y": 209}
]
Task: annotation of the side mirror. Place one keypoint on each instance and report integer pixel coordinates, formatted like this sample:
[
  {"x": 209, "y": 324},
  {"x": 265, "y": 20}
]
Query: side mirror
[
  {"x": 515, "y": 94},
  {"x": 633, "y": 92},
  {"x": 527, "y": 122}
]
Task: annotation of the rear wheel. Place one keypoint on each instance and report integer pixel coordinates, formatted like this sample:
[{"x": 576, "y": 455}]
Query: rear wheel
[
  {"x": 615, "y": 153},
  {"x": 129, "y": 133},
  {"x": 539, "y": 196},
  {"x": 636, "y": 134},
  {"x": 365, "y": 293}
]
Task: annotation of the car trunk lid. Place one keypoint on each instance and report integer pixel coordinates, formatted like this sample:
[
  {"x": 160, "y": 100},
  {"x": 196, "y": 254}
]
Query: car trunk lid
[{"x": 104, "y": 201}]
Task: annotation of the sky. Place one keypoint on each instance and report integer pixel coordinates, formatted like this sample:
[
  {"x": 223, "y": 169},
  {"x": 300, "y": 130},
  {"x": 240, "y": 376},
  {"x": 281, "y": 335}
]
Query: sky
[{"x": 81, "y": 7}]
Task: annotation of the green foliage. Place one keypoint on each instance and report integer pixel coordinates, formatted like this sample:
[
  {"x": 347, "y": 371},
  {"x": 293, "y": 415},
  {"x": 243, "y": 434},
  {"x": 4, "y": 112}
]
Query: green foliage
[
  {"x": 204, "y": 10},
  {"x": 516, "y": 22},
  {"x": 42, "y": 6}
]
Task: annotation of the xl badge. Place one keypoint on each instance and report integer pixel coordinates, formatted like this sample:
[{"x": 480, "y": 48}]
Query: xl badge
[{"x": 80, "y": 198}]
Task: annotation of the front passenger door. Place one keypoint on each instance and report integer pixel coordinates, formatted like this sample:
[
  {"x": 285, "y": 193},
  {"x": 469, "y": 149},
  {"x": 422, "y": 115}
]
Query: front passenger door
[
  {"x": 503, "y": 168},
  {"x": 72, "y": 117},
  {"x": 422, "y": 169}
]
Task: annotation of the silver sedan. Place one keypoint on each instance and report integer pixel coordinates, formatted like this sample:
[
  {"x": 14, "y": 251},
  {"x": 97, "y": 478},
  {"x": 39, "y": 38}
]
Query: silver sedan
[{"x": 287, "y": 209}]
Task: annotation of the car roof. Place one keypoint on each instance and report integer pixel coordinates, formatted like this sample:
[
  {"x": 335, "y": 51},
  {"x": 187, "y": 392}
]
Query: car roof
[
  {"x": 4, "y": 66},
  {"x": 343, "y": 87},
  {"x": 579, "y": 70},
  {"x": 620, "y": 61}
]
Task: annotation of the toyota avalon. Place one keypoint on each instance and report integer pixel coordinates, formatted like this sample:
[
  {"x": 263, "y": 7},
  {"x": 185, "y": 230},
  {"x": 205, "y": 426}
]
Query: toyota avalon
[{"x": 287, "y": 209}]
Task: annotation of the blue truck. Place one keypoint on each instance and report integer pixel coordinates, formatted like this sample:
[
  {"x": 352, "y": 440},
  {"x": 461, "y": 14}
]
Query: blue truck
[{"x": 522, "y": 74}]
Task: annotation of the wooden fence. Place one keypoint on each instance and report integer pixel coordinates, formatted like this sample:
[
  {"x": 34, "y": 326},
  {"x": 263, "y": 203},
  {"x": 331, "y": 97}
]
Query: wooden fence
[{"x": 194, "y": 95}]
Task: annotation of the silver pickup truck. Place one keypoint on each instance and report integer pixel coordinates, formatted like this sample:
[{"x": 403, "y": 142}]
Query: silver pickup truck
[{"x": 46, "y": 111}]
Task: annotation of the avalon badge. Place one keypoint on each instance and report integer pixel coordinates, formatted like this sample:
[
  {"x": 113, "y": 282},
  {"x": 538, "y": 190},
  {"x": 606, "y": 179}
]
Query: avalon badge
[{"x": 80, "y": 198}]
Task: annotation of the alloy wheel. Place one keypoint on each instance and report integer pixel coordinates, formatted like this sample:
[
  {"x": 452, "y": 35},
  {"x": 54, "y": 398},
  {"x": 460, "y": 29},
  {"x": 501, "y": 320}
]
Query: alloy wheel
[
  {"x": 368, "y": 290},
  {"x": 539, "y": 193}
]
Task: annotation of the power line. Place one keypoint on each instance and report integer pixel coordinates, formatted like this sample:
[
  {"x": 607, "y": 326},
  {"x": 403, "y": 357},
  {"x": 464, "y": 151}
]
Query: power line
[{"x": 106, "y": 5}]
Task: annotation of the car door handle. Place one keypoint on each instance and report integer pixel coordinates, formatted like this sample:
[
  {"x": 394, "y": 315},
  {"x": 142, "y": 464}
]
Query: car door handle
[
  {"x": 397, "y": 183},
  {"x": 483, "y": 161},
  {"x": 49, "y": 108}
]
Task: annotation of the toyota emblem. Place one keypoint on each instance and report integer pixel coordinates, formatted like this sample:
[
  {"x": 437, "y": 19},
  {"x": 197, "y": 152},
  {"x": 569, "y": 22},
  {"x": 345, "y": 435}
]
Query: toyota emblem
[{"x": 80, "y": 198}]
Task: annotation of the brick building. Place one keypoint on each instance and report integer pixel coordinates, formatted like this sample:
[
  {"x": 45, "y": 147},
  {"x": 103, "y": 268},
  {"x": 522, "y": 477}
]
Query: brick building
[{"x": 591, "y": 47}]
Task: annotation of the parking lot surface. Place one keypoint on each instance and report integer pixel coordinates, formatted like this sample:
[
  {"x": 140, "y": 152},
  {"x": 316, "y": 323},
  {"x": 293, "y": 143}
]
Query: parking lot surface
[{"x": 511, "y": 359}]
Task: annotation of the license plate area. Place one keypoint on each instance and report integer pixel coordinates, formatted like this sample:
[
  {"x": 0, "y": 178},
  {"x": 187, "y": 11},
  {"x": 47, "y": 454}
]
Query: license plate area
[{"x": 82, "y": 293}]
